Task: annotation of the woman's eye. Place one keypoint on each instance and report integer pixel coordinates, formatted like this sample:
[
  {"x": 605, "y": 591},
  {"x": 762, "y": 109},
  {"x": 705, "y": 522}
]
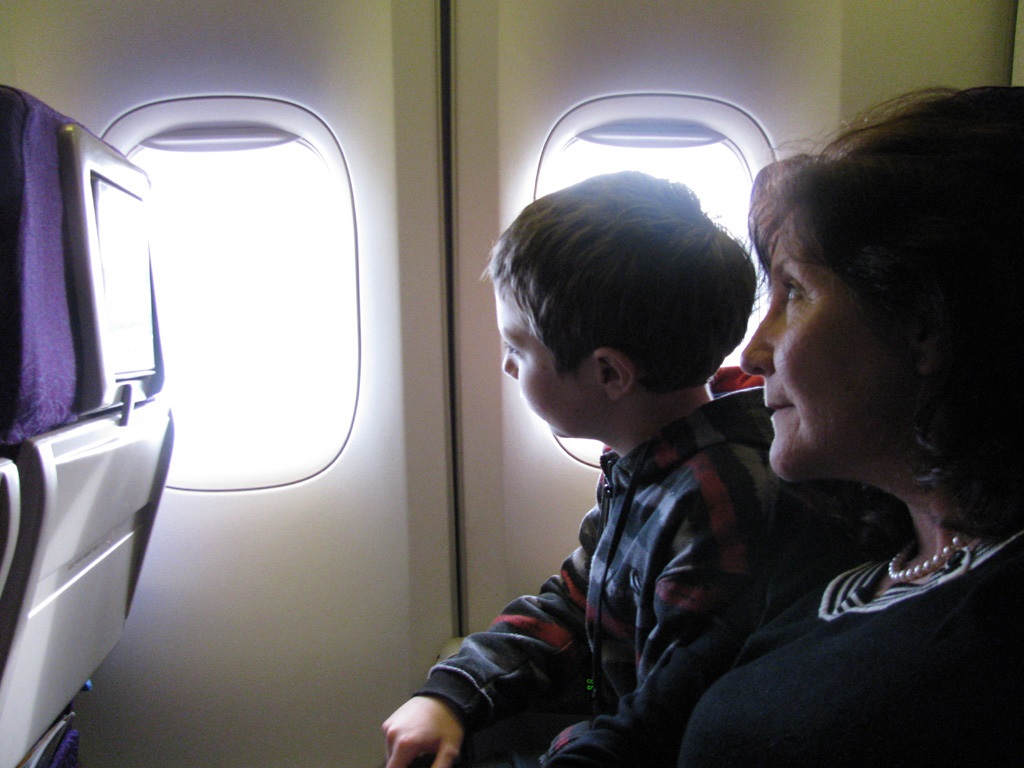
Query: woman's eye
[{"x": 792, "y": 291}]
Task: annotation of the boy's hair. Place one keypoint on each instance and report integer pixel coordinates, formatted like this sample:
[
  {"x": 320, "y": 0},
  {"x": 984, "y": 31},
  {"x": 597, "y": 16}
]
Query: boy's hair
[{"x": 630, "y": 262}]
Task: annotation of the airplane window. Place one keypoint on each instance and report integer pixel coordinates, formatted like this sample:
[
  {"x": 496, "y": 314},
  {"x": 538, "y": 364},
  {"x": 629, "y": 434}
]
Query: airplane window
[
  {"x": 253, "y": 249},
  {"x": 711, "y": 147}
]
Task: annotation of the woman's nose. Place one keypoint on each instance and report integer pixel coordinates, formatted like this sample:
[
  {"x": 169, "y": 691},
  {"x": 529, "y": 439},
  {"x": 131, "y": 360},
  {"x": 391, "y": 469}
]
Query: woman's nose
[{"x": 756, "y": 358}]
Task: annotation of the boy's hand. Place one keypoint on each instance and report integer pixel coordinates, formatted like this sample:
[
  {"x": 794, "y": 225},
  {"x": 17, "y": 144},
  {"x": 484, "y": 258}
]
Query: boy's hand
[{"x": 423, "y": 725}]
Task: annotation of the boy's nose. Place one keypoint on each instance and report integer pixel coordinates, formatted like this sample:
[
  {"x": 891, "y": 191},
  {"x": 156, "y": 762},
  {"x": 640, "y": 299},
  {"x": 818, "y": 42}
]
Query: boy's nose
[{"x": 510, "y": 367}]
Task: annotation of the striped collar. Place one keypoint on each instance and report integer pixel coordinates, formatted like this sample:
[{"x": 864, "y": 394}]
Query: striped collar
[{"x": 854, "y": 591}]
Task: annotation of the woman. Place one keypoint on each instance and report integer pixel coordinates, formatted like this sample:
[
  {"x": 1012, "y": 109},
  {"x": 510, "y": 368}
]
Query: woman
[{"x": 891, "y": 351}]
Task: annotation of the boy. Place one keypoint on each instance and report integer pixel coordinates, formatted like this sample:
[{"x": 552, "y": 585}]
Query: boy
[{"x": 617, "y": 300}]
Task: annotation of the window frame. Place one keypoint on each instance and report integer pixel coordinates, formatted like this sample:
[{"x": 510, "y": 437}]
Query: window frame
[
  {"x": 739, "y": 130},
  {"x": 238, "y": 114},
  {"x": 743, "y": 132}
]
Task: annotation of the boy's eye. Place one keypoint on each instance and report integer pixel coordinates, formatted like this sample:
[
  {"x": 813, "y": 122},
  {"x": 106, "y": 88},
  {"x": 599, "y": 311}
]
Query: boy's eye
[{"x": 509, "y": 349}]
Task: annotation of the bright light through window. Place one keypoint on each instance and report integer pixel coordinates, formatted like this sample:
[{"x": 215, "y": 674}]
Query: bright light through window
[
  {"x": 713, "y": 171},
  {"x": 254, "y": 263}
]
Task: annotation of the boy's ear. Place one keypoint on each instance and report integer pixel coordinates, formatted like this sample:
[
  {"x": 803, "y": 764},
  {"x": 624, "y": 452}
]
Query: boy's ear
[{"x": 616, "y": 371}]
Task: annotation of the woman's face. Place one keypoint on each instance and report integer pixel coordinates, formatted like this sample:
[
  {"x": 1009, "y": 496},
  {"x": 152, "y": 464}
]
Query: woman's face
[{"x": 841, "y": 395}]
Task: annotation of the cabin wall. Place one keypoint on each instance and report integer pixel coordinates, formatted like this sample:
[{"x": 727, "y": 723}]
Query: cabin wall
[
  {"x": 892, "y": 47},
  {"x": 1018, "y": 46}
]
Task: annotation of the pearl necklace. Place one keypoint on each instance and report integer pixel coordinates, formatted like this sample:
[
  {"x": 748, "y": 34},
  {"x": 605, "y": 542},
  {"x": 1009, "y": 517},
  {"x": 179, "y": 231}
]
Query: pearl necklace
[{"x": 928, "y": 567}]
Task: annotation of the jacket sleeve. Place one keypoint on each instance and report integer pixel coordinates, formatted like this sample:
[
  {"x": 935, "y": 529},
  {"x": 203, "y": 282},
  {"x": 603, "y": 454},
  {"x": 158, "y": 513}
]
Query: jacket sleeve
[
  {"x": 647, "y": 727},
  {"x": 534, "y": 650}
]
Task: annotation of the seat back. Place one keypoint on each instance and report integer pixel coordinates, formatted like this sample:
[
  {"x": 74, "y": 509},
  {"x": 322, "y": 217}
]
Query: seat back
[
  {"x": 84, "y": 434},
  {"x": 10, "y": 518}
]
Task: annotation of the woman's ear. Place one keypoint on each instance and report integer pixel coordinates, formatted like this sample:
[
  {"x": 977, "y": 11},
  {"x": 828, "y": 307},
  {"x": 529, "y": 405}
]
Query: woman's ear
[{"x": 617, "y": 373}]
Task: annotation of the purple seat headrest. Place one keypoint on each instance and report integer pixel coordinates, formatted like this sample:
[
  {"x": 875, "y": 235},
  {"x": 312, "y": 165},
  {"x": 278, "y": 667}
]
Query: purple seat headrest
[{"x": 37, "y": 348}]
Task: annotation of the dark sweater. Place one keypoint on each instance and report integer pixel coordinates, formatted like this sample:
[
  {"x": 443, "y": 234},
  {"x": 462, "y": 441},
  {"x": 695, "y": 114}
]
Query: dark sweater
[{"x": 928, "y": 675}]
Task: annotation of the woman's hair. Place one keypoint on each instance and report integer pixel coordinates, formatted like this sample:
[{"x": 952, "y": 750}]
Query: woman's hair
[
  {"x": 919, "y": 208},
  {"x": 628, "y": 261}
]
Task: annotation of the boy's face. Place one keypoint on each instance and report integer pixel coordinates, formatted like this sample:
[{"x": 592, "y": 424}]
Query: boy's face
[{"x": 568, "y": 402}]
